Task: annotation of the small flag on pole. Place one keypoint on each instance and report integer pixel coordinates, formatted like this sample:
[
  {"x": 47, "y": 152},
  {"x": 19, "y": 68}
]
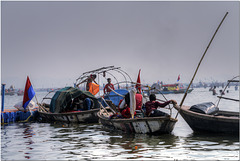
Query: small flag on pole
[
  {"x": 138, "y": 85},
  {"x": 29, "y": 93},
  {"x": 178, "y": 78}
]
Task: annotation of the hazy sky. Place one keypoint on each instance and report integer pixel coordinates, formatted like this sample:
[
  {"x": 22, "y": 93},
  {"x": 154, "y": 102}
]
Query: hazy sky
[{"x": 55, "y": 42}]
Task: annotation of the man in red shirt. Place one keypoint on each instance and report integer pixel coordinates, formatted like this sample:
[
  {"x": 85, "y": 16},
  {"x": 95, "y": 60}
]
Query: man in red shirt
[
  {"x": 107, "y": 86},
  {"x": 152, "y": 105}
]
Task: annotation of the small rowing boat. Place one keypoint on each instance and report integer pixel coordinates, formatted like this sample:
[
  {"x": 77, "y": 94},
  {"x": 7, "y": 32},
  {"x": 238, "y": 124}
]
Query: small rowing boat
[{"x": 145, "y": 125}]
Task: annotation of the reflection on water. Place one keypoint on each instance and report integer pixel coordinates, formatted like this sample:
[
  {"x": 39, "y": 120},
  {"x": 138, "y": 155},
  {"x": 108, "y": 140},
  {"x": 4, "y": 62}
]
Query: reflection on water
[
  {"x": 90, "y": 141},
  {"x": 58, "y": 141}
]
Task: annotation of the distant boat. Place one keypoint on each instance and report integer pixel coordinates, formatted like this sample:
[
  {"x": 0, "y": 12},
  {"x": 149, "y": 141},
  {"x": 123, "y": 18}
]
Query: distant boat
[
  {"x": 10, "y": 91},
  {"x": 169, "y": 88},
  {"x": 20, "y": 92}
]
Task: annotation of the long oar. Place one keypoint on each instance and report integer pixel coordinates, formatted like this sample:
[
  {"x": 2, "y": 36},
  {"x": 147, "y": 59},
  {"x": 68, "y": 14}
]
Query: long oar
[{"x": 200, "y": 63}]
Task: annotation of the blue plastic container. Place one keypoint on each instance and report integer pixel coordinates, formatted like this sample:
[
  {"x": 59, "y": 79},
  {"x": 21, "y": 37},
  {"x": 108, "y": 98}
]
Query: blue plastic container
[
  {"x": 18, "y": 113},
  {"x": 116, "y": 98},
  {"x": 13, "y": 116},
  {"x": 5, "y": 117}
]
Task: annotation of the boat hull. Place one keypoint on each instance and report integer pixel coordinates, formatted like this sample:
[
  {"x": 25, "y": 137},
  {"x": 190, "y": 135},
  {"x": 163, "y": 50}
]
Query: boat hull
[
  {"x": 89, "y": 116},
  {"x": 146, "y": 125},
  {"x": 224, "y": 122}
]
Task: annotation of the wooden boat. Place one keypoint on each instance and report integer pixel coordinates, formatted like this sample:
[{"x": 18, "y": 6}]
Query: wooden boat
[
  {"x": 158, "y": 125},
  {"x": 169, "y": 88},
  {"x": 216, "y": 122},
  {"x": 66, "y": 106},
  {"x": 145, "y": 125},
  {"x": 221, "y": 122},
  {"x": 89, "y": 116}
]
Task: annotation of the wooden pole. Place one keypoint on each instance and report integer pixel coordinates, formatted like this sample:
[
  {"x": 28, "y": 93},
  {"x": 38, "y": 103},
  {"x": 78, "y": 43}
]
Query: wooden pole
[
  {"x": 200, "y": 63},
  {"x": 228, "y": 98}
]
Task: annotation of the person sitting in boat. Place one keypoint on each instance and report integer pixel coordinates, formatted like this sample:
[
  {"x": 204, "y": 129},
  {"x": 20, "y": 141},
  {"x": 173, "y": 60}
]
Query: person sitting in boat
[
  {"x": 88, "y": 104},
  {"x": 152, "y": 105},
  {"x": 124, "y": 105},
  {"x": 84, "y": 103},
  {"x": 108, "y": 86}
]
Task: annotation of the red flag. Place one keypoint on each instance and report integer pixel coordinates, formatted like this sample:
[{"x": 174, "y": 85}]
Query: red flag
[
  {"x": 138, "y": 85},
  {"x": 28, "y": 93}
]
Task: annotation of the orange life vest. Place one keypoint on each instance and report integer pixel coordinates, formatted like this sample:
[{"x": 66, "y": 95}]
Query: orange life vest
[{"x": 93, "y": 88}]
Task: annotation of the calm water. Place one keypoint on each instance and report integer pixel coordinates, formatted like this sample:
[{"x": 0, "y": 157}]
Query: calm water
[{"x": 45, "y": 141}]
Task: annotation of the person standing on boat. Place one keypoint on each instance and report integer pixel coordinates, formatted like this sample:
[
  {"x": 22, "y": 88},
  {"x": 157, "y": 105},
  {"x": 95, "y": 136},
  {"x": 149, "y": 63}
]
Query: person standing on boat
[
  {"x": 152, "y": 105},
  {"x": 214, "y": 90},
  {"x": 108, "y": 86},
  {"x": 91, "y": 78}
]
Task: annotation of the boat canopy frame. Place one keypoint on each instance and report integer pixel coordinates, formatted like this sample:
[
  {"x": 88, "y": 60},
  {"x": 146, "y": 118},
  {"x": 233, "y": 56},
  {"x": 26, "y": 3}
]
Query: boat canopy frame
[{"x": 102, "y": 72}]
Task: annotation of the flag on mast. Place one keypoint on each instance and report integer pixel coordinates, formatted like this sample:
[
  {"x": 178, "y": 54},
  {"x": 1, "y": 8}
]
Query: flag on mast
[
  {"x": 29, "y": 93},
  {"x": 178, "y": 78},
  {"x": 138, "y": 85}
]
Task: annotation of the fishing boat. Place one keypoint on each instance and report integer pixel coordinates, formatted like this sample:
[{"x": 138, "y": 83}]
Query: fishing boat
[
  {"x": 140, "y": 124},
  {"x": 109, "y": 102},
  {"x": 69, "y": 105},
  {"x": 206, "y": 117},
  {"x": 221, "y": 122},
  {"x": 146, "y": 125},
  {"x": 175, "y": 88}
]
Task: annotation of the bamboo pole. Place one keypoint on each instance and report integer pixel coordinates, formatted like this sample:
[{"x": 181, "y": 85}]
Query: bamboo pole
[
  {"x": 200, "y": 63},
  {"x": 228, "y": 98}
]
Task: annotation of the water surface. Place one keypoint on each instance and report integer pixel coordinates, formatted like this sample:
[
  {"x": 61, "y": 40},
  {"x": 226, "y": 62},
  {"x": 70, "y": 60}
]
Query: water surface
[{"x": 51, "y": 141}]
